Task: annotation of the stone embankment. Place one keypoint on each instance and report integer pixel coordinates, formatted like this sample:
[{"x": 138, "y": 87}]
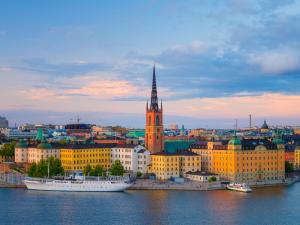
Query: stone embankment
[{"x": 169, "y": 185}]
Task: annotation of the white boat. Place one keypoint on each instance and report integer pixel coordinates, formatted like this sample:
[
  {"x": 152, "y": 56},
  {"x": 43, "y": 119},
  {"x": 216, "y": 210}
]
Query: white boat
[
  {"x": 239, "y": 187},
  {"x": 91, "y": 184}
]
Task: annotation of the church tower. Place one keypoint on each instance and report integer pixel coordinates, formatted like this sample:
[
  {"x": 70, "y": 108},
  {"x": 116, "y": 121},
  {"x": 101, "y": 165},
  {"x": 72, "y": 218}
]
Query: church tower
[{"x": 154, "y": 136}]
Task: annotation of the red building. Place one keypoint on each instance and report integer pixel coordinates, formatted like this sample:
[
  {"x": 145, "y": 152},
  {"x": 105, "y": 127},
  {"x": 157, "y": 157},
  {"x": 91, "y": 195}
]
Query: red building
[
  {"x": 154, "y": 136},
  {"x": 290, "y": 153}
]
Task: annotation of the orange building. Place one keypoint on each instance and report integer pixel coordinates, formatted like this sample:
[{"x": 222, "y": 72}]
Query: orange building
[
  {"x": 244, "y": 160},
  {"x": 154, "y": 136}
]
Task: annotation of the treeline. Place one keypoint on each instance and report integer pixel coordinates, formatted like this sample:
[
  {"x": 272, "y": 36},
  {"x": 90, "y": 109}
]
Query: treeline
[
  {"x": 8, "y": 150},
  {"x": 116, "y": 170},
  {"x": 40, "y": 169}
]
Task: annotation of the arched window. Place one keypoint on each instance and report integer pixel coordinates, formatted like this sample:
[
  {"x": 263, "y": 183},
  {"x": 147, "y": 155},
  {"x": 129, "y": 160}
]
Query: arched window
[
  {"x": 149, "y": 120},
  {"x": 157, "y": 120}
]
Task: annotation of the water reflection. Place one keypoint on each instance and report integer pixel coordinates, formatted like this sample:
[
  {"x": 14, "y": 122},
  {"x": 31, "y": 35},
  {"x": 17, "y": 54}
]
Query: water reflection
[{"x": 276, "y": 205}]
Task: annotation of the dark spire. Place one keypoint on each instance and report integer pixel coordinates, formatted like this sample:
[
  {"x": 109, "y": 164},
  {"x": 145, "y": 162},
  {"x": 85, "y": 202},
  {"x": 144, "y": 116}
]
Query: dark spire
[{"x": 154, "y": 100}]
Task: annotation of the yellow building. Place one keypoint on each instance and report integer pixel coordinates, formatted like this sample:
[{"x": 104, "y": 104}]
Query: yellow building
[
  {"x": 166, "y": 165},
  {"x": 297, "y": 158},
  {"x": 77, "y": 157},
  {"x": 247, "y": 160}
]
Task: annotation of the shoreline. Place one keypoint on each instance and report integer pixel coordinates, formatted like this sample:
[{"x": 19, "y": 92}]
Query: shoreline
[{"x": 153, "y": 185}]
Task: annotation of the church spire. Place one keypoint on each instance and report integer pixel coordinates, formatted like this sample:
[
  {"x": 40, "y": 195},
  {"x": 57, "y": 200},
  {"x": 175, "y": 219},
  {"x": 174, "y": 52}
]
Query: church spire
[{"x": 154, "y": 100}]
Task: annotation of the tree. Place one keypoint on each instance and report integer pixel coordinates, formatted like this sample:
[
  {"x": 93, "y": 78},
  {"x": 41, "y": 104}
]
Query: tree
[
  {"x": 88, "y": 170},
  {"x": 212, "y": 179},
  {"x": 139, "y": 174},
  {"x": 117, "y": 169},
  {"x": 32, "y": 170},
  {"x": 289, "y": 167},
  {"x": 41, "y": 169},
  {"x": 8, "y": 149},
  {"x": 98, "y": 171}
]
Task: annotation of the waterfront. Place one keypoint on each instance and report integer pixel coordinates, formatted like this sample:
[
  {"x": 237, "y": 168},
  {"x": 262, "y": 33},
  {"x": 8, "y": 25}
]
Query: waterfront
[{"x": 272, "y": 205}]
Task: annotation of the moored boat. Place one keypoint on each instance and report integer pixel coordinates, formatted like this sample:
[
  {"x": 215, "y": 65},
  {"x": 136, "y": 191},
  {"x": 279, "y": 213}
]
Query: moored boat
[
  {"x": 239, "y": 187},
  {"x": 91, "y": 184}
]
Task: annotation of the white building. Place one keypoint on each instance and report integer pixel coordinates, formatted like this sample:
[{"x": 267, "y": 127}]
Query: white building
[
  {"x": 134, "y": 158},
  {"x": 13, "y": 133},
  {"x": 201, "y": 176}
]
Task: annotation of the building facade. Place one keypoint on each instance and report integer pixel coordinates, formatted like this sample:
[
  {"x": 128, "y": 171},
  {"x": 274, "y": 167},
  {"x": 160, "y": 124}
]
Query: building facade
[
  {"x": 133, "y": 158},
  {"x": 167, "y": 165},
  {"x": 246, "y": 160},
  {"x": 30, "y": 154},
  {"x": 154, "y": 137},
  {"x": 297, "y": 158},
  {"x": 77, "y": 156}
]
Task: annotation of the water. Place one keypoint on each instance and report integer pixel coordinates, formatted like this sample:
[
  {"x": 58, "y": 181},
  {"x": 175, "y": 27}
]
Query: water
[{"x": 276, "y": 205}]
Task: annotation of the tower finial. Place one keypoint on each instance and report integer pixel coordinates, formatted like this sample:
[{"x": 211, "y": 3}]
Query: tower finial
[{"x": 154, "y": 100}]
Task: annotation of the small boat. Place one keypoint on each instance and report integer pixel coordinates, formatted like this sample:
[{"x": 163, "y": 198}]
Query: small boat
[
  {"x": 79, "y": 183},
  {"x": 239, "y": 187}
]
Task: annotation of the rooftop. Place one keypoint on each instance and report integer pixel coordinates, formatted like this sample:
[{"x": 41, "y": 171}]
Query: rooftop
[{"x": 178, "y": 153}]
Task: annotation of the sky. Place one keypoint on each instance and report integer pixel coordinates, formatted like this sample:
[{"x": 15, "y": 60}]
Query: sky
[{"x": 216, "y": 61}]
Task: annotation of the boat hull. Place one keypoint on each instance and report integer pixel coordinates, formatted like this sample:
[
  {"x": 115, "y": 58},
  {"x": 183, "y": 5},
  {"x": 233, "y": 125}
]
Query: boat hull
[
  {"x": 77, "y": 186},
  {"x": 239, "y": 189}
]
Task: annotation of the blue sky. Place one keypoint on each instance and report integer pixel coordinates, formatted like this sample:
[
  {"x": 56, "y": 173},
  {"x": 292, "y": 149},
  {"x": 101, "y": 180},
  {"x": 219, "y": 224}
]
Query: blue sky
[{"x": 216, "y": 60}]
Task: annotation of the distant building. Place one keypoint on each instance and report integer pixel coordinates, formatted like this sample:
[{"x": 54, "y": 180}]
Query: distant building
[
  {"x": 136, "y": 133},
  {"x": 3, "y": 122},
  {"x": 15, "y": 134},
  {"x": 173, "y": 126},
  {"x": 154, "y": 138},
  {"x": 290, "y": 153},
  {"x": 79, "y": 130},
  {"x": 264, "y": 127}
]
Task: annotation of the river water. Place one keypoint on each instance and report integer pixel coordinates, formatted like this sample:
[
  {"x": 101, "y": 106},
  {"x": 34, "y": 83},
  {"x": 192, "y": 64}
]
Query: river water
[{"x": 271, "y": 206}]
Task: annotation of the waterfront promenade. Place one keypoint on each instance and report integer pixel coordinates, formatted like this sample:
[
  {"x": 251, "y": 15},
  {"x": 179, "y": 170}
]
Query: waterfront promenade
[{"x": 169, "y": 185}]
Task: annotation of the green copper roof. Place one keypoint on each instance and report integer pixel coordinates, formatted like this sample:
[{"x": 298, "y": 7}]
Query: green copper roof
[
  {"x": 277, "y": 137},
  {"x": 278, "y": 141},
  {"x": 39, "y": 135},
  {"x": 172, "y": 146},
  {"x": 44, "y": 145},
  {"x": 235, "y": 141},
  {"x": 21, "y": 144}
]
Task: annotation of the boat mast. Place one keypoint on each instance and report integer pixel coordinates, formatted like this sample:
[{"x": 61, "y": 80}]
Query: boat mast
[{"x": 48, "y": 168}]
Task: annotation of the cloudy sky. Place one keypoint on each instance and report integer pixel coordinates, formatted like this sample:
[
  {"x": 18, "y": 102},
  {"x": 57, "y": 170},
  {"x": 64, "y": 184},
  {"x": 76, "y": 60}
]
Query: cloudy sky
[{"x": 216, "y": 61}]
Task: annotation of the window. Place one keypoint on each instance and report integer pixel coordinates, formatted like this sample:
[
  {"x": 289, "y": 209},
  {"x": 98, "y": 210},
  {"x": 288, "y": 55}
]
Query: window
[{"x": 157, "y": 120}]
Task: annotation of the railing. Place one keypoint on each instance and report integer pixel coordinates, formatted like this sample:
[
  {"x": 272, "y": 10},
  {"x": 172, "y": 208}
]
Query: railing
[{"x": 11, "y": 178}]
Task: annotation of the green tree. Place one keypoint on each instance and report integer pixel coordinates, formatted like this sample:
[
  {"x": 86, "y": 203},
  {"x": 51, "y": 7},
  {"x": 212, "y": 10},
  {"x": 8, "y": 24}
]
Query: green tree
[
  {"x": 289, "y": 167},
  {"x": 98, "y": 171},
  {"x": 88, "y": 170},
  {"x": 212, "y": 179},
  {"x": 117, "y": 169},
  {"x": 41, "y": 169},
  {"x": 139, "y": 174},
  {"x": 8, "y": 150},
  {"x": 32, "y": 170}
]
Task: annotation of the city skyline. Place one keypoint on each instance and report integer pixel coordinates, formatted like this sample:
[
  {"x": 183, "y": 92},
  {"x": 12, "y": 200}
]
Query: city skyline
[{"x": 215, "y": 62}]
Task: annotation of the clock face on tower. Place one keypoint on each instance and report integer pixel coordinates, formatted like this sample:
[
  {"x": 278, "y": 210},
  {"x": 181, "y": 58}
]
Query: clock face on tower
[{"x": 154, "y": 138}]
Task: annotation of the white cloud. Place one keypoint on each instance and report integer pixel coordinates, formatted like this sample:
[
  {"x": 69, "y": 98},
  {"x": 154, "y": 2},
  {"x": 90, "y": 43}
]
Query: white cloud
[{"x": 276, "y": 61}]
